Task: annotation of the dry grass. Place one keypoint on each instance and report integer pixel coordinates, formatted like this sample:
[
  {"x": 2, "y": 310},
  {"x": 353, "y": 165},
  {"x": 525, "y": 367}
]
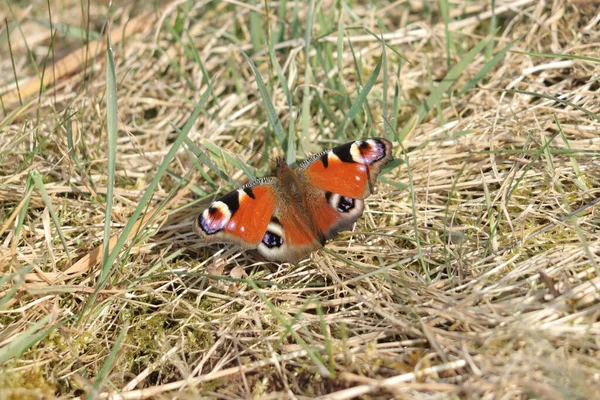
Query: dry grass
[{"x": 474, "y": 273}]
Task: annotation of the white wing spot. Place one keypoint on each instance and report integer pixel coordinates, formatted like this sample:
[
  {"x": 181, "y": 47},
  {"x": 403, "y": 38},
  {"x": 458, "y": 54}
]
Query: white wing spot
[
  {"x": 331, "y": 156},
  {"x": 242, "y": 195}
]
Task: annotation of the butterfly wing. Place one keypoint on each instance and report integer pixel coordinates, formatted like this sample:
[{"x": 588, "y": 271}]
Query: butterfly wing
[
  {"x": 339, "y": 179},
  {"x": 349, "y": 170},
  {"x": 240, "y": 217}
]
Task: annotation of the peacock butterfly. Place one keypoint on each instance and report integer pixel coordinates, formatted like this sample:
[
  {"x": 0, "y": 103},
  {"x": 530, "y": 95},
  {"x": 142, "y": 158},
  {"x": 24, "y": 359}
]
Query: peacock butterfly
[{"x": 288, "y": 216}]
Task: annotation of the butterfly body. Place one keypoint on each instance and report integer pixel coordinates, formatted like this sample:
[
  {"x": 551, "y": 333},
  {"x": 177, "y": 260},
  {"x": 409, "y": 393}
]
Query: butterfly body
[{"x": 288, "y": 216}]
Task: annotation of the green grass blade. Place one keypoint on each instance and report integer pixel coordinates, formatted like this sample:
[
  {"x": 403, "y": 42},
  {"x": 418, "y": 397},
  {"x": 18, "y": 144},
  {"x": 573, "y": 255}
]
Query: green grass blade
[
  {"x": 204, "y": 159},
  {"x": 385, "y": 84},
  {"x": 29, "y": 186},
  {"x": 39, "y": 184},
  {"x": 25, "y": 340},
  {"x": 195, "y": 152},
  {"x": 529, "y": 166},
  {"x": 396, "y": 103},
  {"x": 579, "y": 176},
  {"x": 362, "y": 97},
  {"x": 31, "y": 55},
  {"x": 256, "y": 28},
  {"x": 14, "y": 288},
  {"x": 340, "y": 50},
  {"x": 413, "y": 204},
  {"x": 147, "y": 196},
  {"x": 68, "y": 31},
  {"x": 437, "y": 93},
  {"x": 379, "y": 38},
  {"x": 270, "y": 109},
  {"x": 445, "y": 12},
  {"x": 564, "y": 102},
  {"x": 282, "y": 6},
  {"x": 561, "y": 56},
  {"x": 492, "y": 31},
  {"x": 291, "y": 136},
  {"x": 231, "y": 159},
  {"x": 329, "y": 350},
  {"x": 193, "y": 51},
  {"x": 486, "y": 68},
  {"x": 159, "y": 173},
  {"x": 14, "y": 67},
  {"x": 112, "y": 134},
  {"x": 308, "y": 74},
  {"x": 108, "y": 363},
  {"x": 70, "y": 143}
]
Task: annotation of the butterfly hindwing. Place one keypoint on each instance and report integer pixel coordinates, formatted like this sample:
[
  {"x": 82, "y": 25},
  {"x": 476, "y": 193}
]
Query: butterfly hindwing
[{"x": 288, "y": 239}]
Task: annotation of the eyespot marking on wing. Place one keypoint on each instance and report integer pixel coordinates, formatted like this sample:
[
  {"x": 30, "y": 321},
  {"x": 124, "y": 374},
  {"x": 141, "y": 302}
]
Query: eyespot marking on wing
[
  {"x": 272, "y": 240},
  {"x": 274, "y": 235},
  {"x": 350, "y": 169},
  {"x": 214, "y": 218},
  {"x": 367, "y": 151},
  {"x": 345, "y": 204},
  {"x": 340, "y": 203}
]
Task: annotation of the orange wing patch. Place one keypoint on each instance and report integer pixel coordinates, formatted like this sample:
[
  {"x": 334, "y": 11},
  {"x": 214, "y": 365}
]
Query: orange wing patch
[
  {"x": 325, "y": 216},
  {"x": 349, "y": 179},
  {"x": 249, "y": 222},
  {"x": 296, "y": 232}
]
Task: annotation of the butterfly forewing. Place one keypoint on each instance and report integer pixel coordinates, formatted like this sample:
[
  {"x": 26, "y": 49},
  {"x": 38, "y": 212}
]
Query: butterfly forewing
[
  {"x": 349, "y": 170},
  {"x": 241, "y": 216}
]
